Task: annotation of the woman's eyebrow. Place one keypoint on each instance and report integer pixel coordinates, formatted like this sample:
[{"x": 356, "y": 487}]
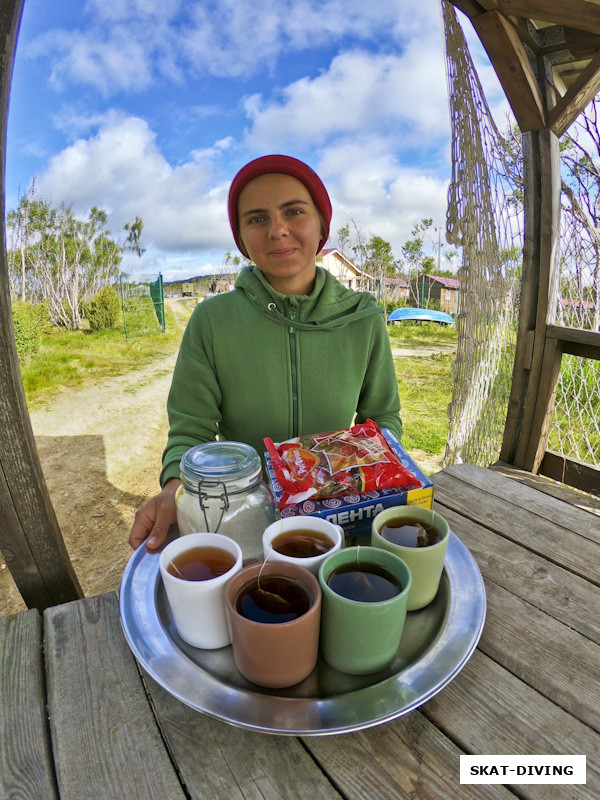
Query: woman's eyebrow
[{"x": 283, "y": 205}]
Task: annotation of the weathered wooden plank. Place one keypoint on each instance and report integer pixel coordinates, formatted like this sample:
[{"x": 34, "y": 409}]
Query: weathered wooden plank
[
  {"x": 570, "y": 471},
  {"x": 572, "y": 13},
  {"x": 556, "y": 544},
  {"x": 105, "y": 738},
  {"x": 25, "y": 754},
  {"x": 516, "y": 500},
  {"x": 565, "y": 597},
  {"x": 217, "y": 761},
  {"x": 585, "y": 87},
  {"x": 486, "y": 710},
  {"x": 550, "y": 657},
  {"x": 513, "y": 69},
  {"x": 29, "y": 528},
  {"x": 544, "y": 483},
  {"x": 406, "y": 758}
]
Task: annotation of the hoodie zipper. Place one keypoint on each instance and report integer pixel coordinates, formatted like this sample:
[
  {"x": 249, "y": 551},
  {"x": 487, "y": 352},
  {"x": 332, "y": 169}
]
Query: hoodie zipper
[{"x": 294, "y": 371}]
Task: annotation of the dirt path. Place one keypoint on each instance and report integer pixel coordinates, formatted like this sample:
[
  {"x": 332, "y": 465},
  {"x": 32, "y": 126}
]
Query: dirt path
[{"x": 95, "y": 482}]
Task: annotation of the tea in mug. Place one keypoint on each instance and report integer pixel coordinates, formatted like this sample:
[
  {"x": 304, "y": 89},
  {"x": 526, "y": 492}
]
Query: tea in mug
[
  {"x": 201, "y": 563},
  {"x": 364, "y": 582},
  {"x": 302, "y": 543},
  {"x": 408, "y": 532},
  {"x": 272, "y": 599}
]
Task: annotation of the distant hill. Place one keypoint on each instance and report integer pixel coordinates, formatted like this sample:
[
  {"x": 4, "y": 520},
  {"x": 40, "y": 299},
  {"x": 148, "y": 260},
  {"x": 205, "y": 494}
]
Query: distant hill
[{"x": 216, "y": 275}]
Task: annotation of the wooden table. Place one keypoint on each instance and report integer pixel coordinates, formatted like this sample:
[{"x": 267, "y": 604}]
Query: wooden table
[{"x": 80, "y": 721}]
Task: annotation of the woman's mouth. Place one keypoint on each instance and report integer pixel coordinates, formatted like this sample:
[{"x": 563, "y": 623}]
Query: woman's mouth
[{"x": 281, "y": 253}]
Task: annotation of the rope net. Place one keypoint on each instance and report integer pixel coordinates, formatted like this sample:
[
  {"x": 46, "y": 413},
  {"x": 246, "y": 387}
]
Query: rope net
[
  {"x": 575, "y": 422},
  {"x": 484, "y": 220}
]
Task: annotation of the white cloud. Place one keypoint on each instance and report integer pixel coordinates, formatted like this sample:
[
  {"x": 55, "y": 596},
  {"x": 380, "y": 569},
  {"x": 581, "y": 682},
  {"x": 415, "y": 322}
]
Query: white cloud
[
  {"x": 360, "y": 121},
  {"x": 126, "y": 44},
  {"x": 384, "y": 197},
  {"x": 121, "y": 169},
  {"x": 359, "y": 92}
]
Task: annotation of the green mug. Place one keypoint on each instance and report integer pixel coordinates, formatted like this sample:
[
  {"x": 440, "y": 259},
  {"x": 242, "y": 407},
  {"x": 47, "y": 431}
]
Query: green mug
[
  {"x": 360, "y": 637},
  {"x": 426, "y": 562}
]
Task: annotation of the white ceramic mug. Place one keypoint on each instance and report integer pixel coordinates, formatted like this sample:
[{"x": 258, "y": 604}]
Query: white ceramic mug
[
  {"x": 198, "y": 607},
  {"x": 312, "y": 563}
]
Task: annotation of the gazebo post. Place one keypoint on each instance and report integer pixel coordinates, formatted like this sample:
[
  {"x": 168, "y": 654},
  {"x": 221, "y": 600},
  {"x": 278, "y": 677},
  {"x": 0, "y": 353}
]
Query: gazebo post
[
  {"x": 30, "y": 538},
  {"x": 537, "y": 358}
]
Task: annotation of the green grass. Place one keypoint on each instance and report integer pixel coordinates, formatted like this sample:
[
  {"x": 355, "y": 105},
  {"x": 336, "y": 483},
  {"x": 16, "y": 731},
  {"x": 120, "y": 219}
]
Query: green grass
[
  {"x": 425, "y": 386},
  {"x": 421, "y": 334},
  {"x": 69, "y": 358}
]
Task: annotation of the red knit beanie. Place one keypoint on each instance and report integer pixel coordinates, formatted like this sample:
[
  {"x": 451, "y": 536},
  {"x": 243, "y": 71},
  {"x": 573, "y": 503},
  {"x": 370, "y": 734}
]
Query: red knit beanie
[{"x": 285, "y": 165}]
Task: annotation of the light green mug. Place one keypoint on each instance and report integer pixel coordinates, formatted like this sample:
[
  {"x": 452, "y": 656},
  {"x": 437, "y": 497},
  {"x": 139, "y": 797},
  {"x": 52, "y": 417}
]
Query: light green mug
[
  {"x": 362, "y": 637},
  {"x": 425, "y": 563}
]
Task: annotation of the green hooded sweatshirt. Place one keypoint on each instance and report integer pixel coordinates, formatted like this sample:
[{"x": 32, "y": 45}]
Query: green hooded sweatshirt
[{"x": 255, "y": 363}]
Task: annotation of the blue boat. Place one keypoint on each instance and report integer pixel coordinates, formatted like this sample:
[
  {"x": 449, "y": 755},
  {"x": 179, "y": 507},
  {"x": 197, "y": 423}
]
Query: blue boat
[{"x": 420, "y": 314}]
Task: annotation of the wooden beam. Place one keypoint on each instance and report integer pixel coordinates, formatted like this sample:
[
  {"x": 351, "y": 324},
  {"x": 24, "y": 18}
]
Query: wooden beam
[
  {"x": 535, "y": 371},
  {"x": 528, "y": 300},
  {"x": 570, "y": 471},
  {"x": 583, "y": 90},
  {"x": 30, "y": 538},
  {"x": 581, "y": 44},
  {"x": 578, "y": 14},
  {"x": 576, "y": 341},
  {"x": 543, "y": 406},
  {"x": 509, "y": 59},
  {"x": 546, "y": 357},
  {"x": 469, "y": 8}
]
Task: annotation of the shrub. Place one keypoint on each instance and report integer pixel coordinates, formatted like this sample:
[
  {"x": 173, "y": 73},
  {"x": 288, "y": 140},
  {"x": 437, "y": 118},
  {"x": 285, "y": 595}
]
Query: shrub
[
  {"x": 28, "y": 321},
  {"x": 103, "y": 310}
]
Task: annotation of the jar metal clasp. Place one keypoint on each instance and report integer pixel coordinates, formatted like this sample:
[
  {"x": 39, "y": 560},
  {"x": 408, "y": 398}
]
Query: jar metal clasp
[{"x": 223, "y": 497}]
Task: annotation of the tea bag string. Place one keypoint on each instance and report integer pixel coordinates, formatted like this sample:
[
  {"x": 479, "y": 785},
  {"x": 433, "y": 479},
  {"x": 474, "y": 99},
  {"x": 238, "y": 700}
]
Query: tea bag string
[
  {"x": 262, "y": 566},
  {"x": 277, "y": 598},
  {"x": 223, "y": 497}
]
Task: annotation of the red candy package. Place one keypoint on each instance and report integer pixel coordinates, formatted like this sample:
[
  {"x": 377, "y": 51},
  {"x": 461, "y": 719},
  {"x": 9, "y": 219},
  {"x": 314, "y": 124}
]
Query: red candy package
[{"x": 350, "y": 461}]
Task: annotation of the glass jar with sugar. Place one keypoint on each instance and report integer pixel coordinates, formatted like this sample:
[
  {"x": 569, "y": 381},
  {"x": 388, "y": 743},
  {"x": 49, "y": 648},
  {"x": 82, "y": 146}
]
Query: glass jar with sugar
[{"x": 222, "y": 491}]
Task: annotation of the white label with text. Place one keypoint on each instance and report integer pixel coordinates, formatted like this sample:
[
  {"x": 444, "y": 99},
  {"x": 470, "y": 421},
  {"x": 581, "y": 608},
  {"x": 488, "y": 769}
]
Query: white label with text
[{"x": 522, "y": 769}]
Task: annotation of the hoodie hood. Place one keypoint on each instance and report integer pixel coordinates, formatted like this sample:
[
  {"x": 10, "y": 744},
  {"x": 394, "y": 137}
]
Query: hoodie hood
[{"x": 329, "y": 305}]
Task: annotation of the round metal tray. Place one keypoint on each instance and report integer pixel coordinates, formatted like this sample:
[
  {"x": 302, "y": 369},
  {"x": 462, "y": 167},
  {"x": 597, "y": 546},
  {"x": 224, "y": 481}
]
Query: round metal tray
[{"x": 437, "y": 641}]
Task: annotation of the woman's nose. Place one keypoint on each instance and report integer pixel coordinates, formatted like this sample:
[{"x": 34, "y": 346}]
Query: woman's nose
[{"x": 277, "y": 226}]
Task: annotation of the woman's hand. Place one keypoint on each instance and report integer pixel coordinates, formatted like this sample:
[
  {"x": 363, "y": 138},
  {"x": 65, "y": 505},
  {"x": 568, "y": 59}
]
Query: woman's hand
[{"x": 153, "y": 520}]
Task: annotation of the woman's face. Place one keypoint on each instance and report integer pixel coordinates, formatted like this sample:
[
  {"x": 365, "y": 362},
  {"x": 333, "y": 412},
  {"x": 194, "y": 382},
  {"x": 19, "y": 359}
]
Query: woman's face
[{"x": 281, "y": 230}]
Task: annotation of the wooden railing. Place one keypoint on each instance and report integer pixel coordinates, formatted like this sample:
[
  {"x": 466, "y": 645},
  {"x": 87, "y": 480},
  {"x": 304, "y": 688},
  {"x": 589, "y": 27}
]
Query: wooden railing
[{"x": 583, "y": 344}]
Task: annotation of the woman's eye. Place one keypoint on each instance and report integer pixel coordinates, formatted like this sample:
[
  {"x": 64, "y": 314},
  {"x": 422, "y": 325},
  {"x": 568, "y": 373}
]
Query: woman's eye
[
  {"x": 255, "y": 220},
  {"x": 294, "y": 211}
]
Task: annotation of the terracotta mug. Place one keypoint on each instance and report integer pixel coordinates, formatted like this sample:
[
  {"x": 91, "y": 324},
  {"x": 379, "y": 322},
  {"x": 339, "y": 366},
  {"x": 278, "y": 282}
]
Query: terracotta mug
[{"x": 268, "y": 653}]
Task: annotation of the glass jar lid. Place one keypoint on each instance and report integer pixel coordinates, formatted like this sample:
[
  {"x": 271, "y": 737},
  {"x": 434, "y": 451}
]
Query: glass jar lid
[{"x": 220, "y": 462}]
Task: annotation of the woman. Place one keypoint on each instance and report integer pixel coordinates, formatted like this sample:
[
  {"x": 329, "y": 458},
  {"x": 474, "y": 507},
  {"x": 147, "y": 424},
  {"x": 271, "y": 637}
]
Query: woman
[{"x": 289, "y": 352}]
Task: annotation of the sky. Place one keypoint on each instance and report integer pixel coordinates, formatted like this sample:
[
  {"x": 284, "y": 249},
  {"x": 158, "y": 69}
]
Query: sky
[{"x": 149, "y": 107}]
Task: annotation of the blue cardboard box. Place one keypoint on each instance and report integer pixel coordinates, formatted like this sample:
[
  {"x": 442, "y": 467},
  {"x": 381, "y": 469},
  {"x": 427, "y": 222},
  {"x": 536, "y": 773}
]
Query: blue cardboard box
[{"x": 355, "y": 512}]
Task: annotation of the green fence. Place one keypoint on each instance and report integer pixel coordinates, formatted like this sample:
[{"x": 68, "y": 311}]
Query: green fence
[{"x": 143, "y": 304}]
